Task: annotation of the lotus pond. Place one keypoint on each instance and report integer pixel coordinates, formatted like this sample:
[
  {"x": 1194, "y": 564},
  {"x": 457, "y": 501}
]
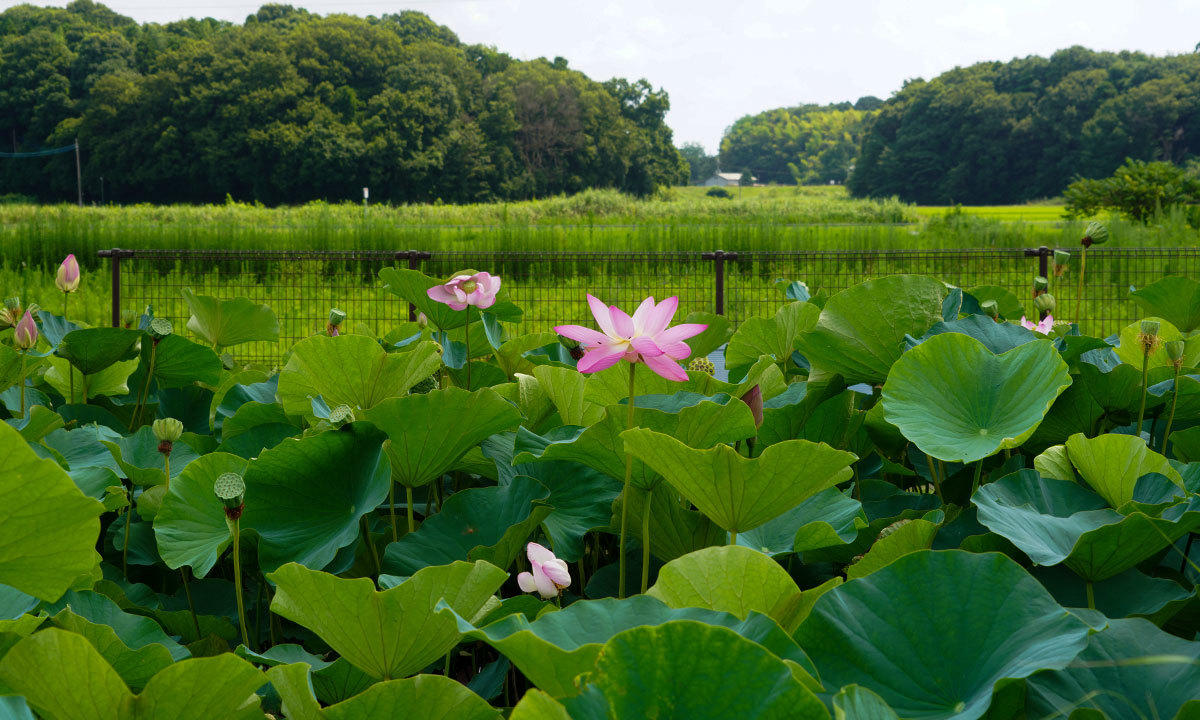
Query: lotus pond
[{"x": 893, "y": 502}]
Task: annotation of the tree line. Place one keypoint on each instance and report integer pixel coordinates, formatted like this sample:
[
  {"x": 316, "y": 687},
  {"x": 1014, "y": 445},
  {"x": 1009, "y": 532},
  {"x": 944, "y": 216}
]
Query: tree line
[{"x": 291, "y": 106}]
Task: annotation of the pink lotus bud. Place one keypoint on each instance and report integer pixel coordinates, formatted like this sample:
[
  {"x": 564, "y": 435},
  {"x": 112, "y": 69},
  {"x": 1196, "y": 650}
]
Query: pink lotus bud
[
  {"x": 27, "y": 333},
  {"x": 462, "y": 290},
  {"x": 67, "y": 279},
  {"x": 753, "y": 398},
  {"x": 550, "y": 575}
]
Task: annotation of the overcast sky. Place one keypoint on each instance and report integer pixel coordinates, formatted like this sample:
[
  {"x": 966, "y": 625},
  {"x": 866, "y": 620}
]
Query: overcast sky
[{"x": 720, "y": 60}]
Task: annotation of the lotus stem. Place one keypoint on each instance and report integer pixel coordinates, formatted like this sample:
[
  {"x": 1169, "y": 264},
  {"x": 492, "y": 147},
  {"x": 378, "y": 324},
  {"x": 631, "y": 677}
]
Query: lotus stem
[
  {"x": 1091, "y": 596},
  {"x": 733, "y": 537},
  {"x": 366, "y": 526},
  {"x": 235, "y": 529},
  {"x": 1170, "y": 414},
  {"x": 1187, "y": 551},
  {"x": 1142, "y": 407},
  {"x": 70, "y": 367},
  {"x": 933, "y": 475},
  {"x": 646, "y": 541},
  {"x": 125, "y": 547},
  {"x": 978, "y": 475},
  {"x": 167, "y": 468},
  {"x": 468, "y": 342},
  {"x": 187, "y": 590},
  {"x": 144, "y": 395},
  {"x": 412, "y": 526},
  {"x": 23, "y": 354},
  {"x": 392, "y": 509},
  {"x": 1079, "y": 292},
  {"x": 625, "y": 490},
  {"x": 83, "y": 381}
]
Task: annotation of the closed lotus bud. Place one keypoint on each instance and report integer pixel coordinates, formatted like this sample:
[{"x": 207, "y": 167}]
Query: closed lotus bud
[
  {"x": 422, "y": 321},
  {"x": 11, "y": 312},
  {"x": 1175, "y": 350},
  {"x": 230, "y": 489},
  {"x": 67, "y": 278},
  {"x": 160, "y": 328},
  {"x": 26, "y": 336},
  {"x": 167, "y": 430},
  {"x": 12, "y": 303},
  {"x": 1040, "y": 284},
  {"x": 129, "y": 319},
  {"x": 990, "y": 308},
  {"x": 753, "y": 398},
  {"x": 1095, "y": 234},
  {"x": 702, "y": 364},
  {"x": 1045, "y": 303},
  {"x": 341, "y": 415}
]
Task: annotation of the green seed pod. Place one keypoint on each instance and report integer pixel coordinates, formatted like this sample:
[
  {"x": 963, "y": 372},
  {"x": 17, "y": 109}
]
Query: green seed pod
[
  {"x": 1150, "y": 328},
  {"x": 12, "y": 303},
  {"x": 160, "y": 328},
  {"x": 1061, "y": 258},
  {"x": 990, "y": 308},
  {"x": 341, "y": 415},
  {"x": 1095, "y": 234},
  {"x": 167, "y": 429},
  {"x": 1045, "y": 303},
  {"x": 230, "y": 489},
  {"x": 1175, "y": 350},
  {"x": 1040, "y": 284},
  {"x": 336, "y": 317},
  {"x": 702, "y": 364}
]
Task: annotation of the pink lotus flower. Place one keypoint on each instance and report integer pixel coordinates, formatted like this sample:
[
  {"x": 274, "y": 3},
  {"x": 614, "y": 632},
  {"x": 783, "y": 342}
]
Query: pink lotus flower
[
  {"x": 1044, "y": 327},
  {"x": 67, "y": 279},
  {"x": 27, "y": 333},
  {"x": 550, "y": 575},
  {"x": 641, "y": 338},
  {"x": 479, "y": 290}
]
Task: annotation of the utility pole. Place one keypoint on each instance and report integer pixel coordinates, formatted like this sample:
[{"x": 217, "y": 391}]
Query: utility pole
[{"x": 78, "y": 174}]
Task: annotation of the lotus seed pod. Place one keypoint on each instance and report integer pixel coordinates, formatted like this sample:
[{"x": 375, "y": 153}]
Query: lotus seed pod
[
  {"x": 336, "y": 317},
  {"x": 8, "y": 318},
  {"x": 1045, "y": 303},
  {"x": 12, "y": 303},
  {"x": 1175, "y": 350},
  {"x": 341, "y": 415},
  {"x": 702, "y": 364},
  {"x": 1151, "y": 327},
  {"x": 167, "y": 429},
  {"x": 1095, "y": 234},
  {"x": 1040, "y": 284},
  {"x": 231, "y": 491},
  {"x": 990, "y": 308},
  {"x": 160, "y": 328}
]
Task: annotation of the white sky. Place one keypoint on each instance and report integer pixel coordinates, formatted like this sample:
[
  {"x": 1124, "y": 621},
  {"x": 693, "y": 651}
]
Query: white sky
[{"x": 720, "y": 60}]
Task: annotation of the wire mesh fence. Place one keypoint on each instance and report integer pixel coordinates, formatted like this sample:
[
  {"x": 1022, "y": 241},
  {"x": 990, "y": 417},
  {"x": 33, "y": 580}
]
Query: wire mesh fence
[{"x": 301, "y": 287}]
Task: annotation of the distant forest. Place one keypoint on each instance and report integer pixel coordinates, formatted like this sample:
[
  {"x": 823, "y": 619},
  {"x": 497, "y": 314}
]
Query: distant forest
[{"x": 290, "y": 106}]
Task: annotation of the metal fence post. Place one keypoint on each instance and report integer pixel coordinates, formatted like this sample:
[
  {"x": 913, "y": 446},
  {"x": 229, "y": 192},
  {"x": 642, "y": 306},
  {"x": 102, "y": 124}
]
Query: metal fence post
[
  {"x": 1043, "y": 254},
  {"x": 719, "y": 257},
  {"x": 115, "y": 256},
  {"x": 414, "y": 263}
]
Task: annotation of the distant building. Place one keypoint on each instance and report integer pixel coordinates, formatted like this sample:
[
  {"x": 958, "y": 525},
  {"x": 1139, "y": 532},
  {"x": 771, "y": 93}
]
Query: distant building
[{"x": 724, "y": 180}]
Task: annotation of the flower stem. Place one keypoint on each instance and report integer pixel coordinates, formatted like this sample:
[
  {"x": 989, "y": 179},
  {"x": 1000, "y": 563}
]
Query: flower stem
[
  {"x": 23, "y": 354},
  {"x": 366, "y": 526},
  {"x": 468, "y": 342},
  {"x": 1171, "y": 414},
  {"x": 412, "y": 526},
  {"x": 937, "y": 483},
  {"x": 646, "y": 541},
  {"x": 1142, "y": 407},
  {"x": 167, "y": 468},
  {"x": 392, "y": 507},
  {"x": 733, "y": 538},
  {"x": 144, "y": 395},
  {"x": 125, "y": 547},
  {"x": 1079, "y": 292},
  {"x": 187, "y": 590},
  {"x": 978, "y": 475},
  {"x": 70, "y": 367},
  {"x": 1091, "y": 596},
  {"x": 235, "y": 529},
  {"x": 625, "y": 490}
]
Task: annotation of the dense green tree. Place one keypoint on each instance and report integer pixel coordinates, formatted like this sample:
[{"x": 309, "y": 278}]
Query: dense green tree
[
  {"x": 1137, "y": 189},
  {"x": 808, "y": 144},
  {"x": 701, "y": 166}
]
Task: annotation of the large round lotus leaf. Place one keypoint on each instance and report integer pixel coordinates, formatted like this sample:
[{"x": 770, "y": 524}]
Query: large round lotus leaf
[
  {"x": 828, "y": 518},
  {"x": 997, "y": 337},
  {"x": 1056, "y": 521},
  {"x": 736, "y": 492},
  {"x": 351, "y": 370},
  {"x": 92, "y": 349},
  {"x": 957, "y": 401},
  {"x": 537, "y": 705},
  {"x": 861, "y": 329},
  {"x": 305, "y": 497},
  {"x": 773, "y": 336},
  {"x": 489, "y": 523},
  {"x": 112, "y": 381},
  {"x": 558, "y": 646},
  {"x": 855, "y": 702},
  {"x": 1073, "y": 412},
  {"x": 222, "y": 323},
  {"x": 48, "y": 528},
  {"x": 786, "y": 414},
  {"x": 944, "y": 629},
  {"x": 1007, "y": 303},
  {"x": 904, "y": 537},
  {"x": 141, "y": 462},
  {"x": 1112, "y": 464},
  {"x": 675, "y": 528},
  {"x": 1130, "y": 350},
  {"x": 1131, "y": 669},
  {"x": 1175, "y": 299},
  {"x": 429, "y": 432},
  {"x": 389, "y": 634},
  {"x": 1128, "y": 594},
  {"x": 1185, "y": 444},
  {"x": 64, "y": 678},
  {"x": 190, "y": 525},
  {"x": 686, "y": 670},
  {"x": 178, "y": 362},
  {"x": 432, "y": 697}
]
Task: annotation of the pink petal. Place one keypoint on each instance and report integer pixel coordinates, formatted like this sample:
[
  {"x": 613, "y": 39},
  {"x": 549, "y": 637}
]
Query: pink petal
[
  {"x": 602, "y": 315},
  {"x": 673, "y": 335},
  {"x": 622, "y": 322},
  {"x": 678, "y": 351},
  {"x": 526, "y": 582},
  {"x": 641, "y": 314},
  {"x": 538, "y": 554},
  {"x": 439, "y": 293},
  {"x": 658, "y": 320},
  {"x": 666, "y": 367},
  {"x": 600, "y": 358},
  {"x": 558, "y": 573},
  {"x": 459, "y": 294},
  {"x": 581, "y": 334},
  {"x": 646, "y": 347},
  {"x": 545, "y": 586}
]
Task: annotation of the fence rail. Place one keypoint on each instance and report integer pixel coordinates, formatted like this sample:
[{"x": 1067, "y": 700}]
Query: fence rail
[{"x": 302, "y": 286}]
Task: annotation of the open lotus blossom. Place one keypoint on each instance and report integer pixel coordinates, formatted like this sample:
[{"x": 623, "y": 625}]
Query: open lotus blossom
[
  {"x": 550, "y": 575},
  {"x": 1044, "y": 327},
  {"x": 67, "y": 278},
  {"x": 26, "y": 336},
  {"x": 479, "y": 290},
  {"x": 644, "y": 337}
]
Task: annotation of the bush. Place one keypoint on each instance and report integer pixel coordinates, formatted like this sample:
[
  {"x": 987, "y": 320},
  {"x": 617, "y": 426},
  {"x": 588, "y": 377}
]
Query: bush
[
  {"x": 1137, "y": 190},
  {"x": 719, "y": 192}
]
